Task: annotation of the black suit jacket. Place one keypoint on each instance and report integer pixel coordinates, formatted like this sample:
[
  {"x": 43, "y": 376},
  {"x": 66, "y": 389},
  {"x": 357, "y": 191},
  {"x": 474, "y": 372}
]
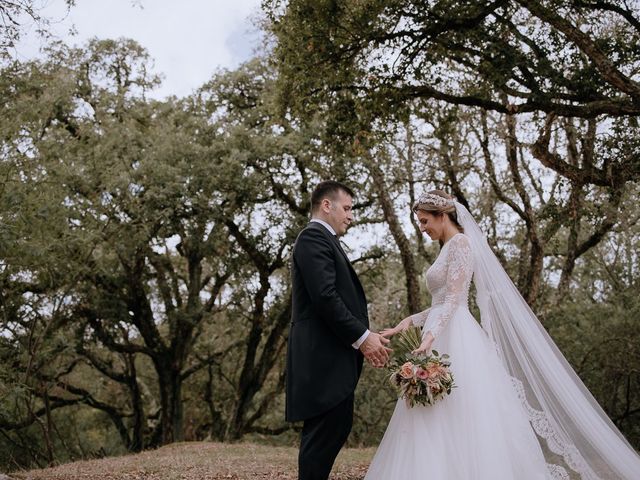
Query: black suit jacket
[{"x": 329, "y": 313}]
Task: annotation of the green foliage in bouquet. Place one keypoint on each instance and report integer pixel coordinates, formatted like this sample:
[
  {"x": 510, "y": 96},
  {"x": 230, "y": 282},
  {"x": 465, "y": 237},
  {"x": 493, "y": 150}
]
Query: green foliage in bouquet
[
  {"x": 406, "y": 342},
  {"x": 418, "y": 379}
]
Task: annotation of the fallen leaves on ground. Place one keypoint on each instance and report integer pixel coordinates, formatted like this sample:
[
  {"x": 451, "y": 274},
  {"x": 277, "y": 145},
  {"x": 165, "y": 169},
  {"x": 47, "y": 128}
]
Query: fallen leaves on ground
[{"x": 202, "y": 461}]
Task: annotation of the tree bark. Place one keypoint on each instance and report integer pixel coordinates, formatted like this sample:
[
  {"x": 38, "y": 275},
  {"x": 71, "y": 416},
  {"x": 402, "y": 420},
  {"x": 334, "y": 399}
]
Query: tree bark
[
  {"x": 137, "y": 435},
  {"x": 404, "y": 246},
  {"x": 171, "y": 407},
  {"x": 533, "y": 276}
]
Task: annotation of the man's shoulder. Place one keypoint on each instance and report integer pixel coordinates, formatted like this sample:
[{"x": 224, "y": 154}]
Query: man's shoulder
[
  {"x": 314, "y": 229},
  {"x": 315, "y": 234}
]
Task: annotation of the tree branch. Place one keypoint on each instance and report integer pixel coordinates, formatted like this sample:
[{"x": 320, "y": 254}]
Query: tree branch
[{"x": 600, "y": 60}]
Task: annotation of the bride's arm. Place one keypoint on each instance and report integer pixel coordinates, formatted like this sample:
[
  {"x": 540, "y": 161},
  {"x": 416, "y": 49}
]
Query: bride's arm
[
  {"x": 416, "y": 319},
  {"x": 459, "y": 269}
]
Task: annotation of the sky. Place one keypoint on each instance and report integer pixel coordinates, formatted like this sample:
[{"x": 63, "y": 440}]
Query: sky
[
  {"x": 188, "y": 43},
  {"x": 189, "y": 40}
]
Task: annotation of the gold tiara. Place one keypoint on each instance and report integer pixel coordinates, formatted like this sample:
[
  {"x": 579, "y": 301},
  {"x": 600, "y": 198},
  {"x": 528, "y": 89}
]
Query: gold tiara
[{"x": 436, "y": 200}]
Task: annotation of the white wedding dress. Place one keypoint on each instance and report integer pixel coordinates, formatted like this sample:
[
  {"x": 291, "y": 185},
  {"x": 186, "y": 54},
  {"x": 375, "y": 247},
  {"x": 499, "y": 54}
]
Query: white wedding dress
[
  {"x": 481, "y": 431},
  {"x": 519, "y": 410}
]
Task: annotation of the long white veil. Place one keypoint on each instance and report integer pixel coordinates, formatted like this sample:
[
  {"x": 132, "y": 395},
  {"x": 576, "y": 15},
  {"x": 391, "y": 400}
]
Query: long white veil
[{"x": 581, "y": 441}]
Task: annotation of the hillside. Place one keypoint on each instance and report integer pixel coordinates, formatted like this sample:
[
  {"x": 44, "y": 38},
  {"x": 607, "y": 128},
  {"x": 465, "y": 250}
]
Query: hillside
[{"x": 201, "y": 461}]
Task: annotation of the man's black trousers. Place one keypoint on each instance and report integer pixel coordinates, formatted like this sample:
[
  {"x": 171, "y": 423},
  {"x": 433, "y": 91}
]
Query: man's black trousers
[{"x": 322, "y": 438}]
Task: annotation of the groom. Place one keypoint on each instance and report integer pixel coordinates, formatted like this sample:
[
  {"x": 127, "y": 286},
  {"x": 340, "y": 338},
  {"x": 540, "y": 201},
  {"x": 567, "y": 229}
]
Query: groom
[{"x": 329, "y": 333}]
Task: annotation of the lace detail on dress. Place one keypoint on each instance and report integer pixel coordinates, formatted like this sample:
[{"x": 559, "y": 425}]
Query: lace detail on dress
[
  {"x": 449, "y": 278},
  {"x": 542, "y": 426},
  {"x": 419, "y": 318},
  {"x": 556, "y": 472}
]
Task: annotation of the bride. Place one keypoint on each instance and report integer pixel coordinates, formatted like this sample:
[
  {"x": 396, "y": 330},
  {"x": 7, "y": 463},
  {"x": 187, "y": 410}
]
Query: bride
[{"x": 519, "y": 411}]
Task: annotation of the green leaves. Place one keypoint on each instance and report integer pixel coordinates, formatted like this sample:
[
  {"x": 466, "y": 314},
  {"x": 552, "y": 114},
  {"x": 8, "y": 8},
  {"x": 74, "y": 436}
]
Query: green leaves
[
  {"x": 406, "y": 341},
  {"x": 547, "y": 56}
]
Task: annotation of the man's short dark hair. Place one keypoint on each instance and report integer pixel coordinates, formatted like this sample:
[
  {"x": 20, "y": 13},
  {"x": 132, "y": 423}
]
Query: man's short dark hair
[{"x": 327, "y": 189}]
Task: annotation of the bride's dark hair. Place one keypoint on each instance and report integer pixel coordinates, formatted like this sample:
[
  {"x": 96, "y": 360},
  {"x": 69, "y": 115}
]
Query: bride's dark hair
[{"x": 448, "y": 210}]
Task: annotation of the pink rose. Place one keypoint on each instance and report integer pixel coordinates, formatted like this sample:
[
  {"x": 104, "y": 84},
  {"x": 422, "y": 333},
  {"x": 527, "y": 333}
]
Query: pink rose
[
  {"x": 406, "y": 370},
  {"x": 422, "y": 374}
]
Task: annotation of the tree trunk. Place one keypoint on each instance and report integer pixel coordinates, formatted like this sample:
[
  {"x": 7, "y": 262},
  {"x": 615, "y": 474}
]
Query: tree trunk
[
  {"x": 248, "y": 384},
  {"x": 533, "y": 276},
  {"x": 217, "y": 427},
  {"x": 171, "y": 408},
  {"x": 47, "y": 429},
  {"x": 137, "y": 435},
  {"x": 406, "y": 254}
]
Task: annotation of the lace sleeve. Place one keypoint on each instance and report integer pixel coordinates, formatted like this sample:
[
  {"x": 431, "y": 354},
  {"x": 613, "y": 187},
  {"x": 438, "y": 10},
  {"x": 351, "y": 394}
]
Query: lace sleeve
[
  {"x": 419, "y": 318},
  {"x": 459, "y": 272}
]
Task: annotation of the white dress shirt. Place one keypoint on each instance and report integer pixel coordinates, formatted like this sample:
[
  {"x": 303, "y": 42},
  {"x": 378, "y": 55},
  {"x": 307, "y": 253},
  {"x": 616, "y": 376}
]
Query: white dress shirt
[{"x": 364, "y": 336}]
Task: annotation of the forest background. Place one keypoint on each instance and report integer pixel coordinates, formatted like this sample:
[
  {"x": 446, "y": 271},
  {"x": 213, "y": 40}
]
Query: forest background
[{"x": 144, "y": 243}]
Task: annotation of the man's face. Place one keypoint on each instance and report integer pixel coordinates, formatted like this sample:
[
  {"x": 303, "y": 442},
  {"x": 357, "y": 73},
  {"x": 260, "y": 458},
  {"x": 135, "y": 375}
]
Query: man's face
[{"x": 339, "y": 212}]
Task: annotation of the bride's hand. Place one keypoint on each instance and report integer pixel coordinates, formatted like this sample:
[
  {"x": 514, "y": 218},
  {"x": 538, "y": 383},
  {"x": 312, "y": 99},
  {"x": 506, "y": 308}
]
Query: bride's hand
[
  {"x": 425, "y": 346},
  {"x": 388, "y": 332},
  {"x": 403, "y": 325}
]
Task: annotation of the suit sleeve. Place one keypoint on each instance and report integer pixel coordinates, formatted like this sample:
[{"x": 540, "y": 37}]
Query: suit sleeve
[{"x": 315, "y": 259}]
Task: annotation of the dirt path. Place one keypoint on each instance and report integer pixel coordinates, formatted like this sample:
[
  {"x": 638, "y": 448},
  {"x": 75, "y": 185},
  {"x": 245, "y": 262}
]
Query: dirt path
[{"x": 201, "y": 461}]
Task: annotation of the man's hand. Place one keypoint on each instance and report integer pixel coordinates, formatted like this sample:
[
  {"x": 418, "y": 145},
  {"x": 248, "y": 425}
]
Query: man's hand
[{"x": 374, "y": 350}]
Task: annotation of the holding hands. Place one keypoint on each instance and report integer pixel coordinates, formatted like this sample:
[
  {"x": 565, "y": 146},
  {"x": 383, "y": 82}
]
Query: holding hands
[
  {"x": 427, "y": 341},
  {"x": 374, "y": 350},
  {"x": 377, "y": 354},
  {"x": 390, "y": 332}
]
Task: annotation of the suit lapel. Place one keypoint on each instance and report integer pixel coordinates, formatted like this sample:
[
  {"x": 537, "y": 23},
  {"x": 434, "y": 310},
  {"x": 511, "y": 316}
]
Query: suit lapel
[
  {"x": 336, "y": 241},
  {"x": 344, "y": 254}
]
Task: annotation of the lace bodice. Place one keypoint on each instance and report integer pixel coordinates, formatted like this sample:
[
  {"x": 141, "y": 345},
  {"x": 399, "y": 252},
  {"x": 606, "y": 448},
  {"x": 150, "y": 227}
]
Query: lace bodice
[{"x": 448, "y": 281}]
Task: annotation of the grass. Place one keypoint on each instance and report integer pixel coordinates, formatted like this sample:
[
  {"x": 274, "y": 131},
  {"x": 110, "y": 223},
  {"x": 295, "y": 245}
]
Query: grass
[{"x": 202, "y": 461}]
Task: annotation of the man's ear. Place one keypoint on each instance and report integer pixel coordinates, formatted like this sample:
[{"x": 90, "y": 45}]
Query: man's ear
[{"x": 326, "y": 204}]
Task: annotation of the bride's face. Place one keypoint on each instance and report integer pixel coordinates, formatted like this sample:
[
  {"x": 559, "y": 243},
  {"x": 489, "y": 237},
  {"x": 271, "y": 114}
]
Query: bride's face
[{"x": 432, "y": 225}]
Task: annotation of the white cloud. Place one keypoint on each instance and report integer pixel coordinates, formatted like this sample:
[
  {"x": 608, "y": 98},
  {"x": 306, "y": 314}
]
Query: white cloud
[{"x": 189, "y": 40}]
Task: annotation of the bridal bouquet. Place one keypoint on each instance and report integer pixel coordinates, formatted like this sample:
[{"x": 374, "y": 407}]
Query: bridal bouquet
[{"x": 419, "y": 379}]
